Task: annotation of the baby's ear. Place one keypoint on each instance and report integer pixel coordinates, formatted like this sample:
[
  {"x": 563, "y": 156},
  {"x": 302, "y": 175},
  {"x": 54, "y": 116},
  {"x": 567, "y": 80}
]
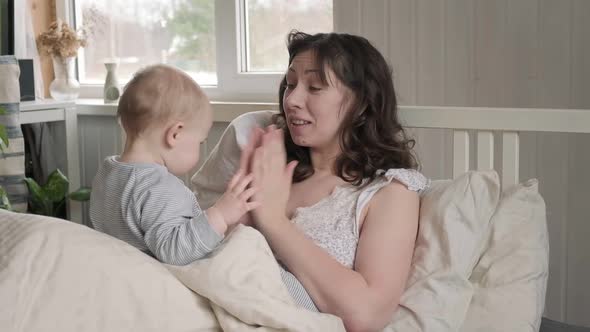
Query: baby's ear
[{"x": 172, "y": 133}]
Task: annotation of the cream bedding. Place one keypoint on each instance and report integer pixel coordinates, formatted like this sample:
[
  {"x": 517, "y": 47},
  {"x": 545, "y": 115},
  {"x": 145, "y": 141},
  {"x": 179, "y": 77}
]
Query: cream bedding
[
  {"x": 480, "y": 264},
  {"x": 60, "y": 276}
]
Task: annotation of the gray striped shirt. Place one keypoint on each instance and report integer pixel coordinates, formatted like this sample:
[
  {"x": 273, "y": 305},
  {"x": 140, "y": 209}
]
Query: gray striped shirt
[{"x": 151, "y": 209}]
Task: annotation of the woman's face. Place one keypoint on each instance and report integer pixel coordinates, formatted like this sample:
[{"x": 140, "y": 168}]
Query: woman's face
[{"x": 313, "y": 111}]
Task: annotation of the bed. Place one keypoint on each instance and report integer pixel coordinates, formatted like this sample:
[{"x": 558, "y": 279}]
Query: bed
[{"x": 57, "y": 275}]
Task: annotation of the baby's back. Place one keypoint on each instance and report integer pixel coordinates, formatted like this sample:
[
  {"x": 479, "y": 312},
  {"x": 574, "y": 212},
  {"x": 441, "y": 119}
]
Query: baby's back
[{"x": 144, "y": 205}]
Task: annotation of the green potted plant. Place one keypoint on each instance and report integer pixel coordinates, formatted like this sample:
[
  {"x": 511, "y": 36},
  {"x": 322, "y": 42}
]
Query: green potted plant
[{"x": 49, "y": 198}]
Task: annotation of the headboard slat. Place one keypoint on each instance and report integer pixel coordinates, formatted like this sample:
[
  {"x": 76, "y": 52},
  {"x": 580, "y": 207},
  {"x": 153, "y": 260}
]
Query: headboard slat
[
  {"x": 485, "y": 150},
  {"x": 460, "y": 152},
  {"x": 510, "y": 158}
]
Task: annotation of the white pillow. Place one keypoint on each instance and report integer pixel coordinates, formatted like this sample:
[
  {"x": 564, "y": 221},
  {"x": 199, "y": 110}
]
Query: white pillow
[
  {"x": 510, "y": 279},
  {"x": 210, "y": 181},
  {"x": 59, "y": 276},
  {"x": 454, "y": 220}
]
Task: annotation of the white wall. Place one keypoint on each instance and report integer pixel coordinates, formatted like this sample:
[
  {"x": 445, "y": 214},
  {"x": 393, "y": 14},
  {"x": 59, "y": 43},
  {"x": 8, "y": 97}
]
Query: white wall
[
  {"x": 513, "y": 53},
  {"x": 500, "y": 53}
]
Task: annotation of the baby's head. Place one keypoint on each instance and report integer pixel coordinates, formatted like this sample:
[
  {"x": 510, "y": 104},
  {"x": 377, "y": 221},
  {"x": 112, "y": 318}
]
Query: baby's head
[{"x": 164, "y": 108}]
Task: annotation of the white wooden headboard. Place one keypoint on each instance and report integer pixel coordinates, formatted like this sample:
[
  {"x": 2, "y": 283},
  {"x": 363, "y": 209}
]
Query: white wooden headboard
[{"x": 509, "y": 121}]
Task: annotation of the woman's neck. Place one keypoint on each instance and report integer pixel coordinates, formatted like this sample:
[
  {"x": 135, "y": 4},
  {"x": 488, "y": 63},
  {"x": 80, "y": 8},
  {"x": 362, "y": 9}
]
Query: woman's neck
[{"x": 323, "y": 161}]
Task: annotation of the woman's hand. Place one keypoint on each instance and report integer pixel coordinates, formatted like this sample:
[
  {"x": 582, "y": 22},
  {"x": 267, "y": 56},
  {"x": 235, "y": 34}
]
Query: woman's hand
[
  {"x": 245, "y": 165},
  {"x": 272, "y": 177},
  {"x": 254, "y": 142}
]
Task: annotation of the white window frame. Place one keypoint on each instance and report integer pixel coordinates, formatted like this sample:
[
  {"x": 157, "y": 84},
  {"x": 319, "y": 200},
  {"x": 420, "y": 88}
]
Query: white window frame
[{"x": 233, "y": 82}]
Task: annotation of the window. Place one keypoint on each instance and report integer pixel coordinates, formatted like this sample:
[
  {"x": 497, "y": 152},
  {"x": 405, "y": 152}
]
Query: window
[
  {"x": 143, "y": 32},
  {"x": 236, "y": 49},
  {"x": 265, "y": 49}
]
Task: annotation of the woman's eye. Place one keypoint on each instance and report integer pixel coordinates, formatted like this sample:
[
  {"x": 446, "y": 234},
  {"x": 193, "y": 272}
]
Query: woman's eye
[
  {"x": 314, "y": 88},
  {"x": 290, "y": 86}
]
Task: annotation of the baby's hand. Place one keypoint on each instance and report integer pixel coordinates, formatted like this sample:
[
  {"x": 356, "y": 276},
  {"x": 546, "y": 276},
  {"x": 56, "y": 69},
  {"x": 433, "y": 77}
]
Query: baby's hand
[{"x": 234, "y": 204}]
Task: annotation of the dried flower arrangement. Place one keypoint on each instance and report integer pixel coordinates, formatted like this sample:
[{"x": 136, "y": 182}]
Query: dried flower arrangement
[{"x": 62, "y": 41}]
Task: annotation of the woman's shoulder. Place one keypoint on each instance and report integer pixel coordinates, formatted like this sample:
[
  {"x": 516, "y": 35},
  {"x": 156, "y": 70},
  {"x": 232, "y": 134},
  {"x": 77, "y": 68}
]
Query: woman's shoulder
[{"x": 410, "y": 178}]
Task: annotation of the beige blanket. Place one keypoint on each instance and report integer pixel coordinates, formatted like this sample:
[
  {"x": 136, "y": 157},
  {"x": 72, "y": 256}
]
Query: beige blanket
[{"x": 60, "y": 276}]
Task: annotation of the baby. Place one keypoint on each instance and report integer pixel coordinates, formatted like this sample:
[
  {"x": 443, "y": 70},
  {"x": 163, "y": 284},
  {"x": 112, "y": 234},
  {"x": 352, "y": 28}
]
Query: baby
[{"x": 136, "y": 197}]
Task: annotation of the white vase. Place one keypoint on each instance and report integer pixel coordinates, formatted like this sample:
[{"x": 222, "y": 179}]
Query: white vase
[
  {"x": 111, "y": 84},
  {"x": 64, "y": 86}
]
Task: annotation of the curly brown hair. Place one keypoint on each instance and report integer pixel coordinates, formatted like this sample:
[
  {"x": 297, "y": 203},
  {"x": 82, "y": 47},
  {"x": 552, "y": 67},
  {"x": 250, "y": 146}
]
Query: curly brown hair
[{"x": 372, "y": 137}]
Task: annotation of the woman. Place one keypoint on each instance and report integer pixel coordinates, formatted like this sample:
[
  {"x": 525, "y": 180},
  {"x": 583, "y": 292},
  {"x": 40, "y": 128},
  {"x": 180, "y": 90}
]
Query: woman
[{"x": 342, "y": 215}]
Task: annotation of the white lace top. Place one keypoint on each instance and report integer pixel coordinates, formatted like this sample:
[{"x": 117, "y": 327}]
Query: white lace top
[{"x": 333, "y": 222}]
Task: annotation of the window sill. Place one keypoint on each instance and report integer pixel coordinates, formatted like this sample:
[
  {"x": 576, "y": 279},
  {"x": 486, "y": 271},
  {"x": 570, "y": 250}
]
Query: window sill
[{"x": 222, "y": 111}]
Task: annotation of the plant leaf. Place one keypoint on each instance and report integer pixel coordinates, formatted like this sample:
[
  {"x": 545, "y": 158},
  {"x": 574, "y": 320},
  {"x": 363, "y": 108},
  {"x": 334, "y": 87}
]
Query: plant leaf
[
  {"x": 56, "y": 187},
  {"x": 37, "y": 197},
  {"x": 4, "y": 202},
  {"x": 3, "y": 137},
  {"x": 3, "y": 132},
  {"x": 81, "y": 195}
]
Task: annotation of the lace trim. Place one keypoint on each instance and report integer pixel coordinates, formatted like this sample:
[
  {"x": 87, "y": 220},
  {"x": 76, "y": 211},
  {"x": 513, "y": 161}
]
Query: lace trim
[{"x": 411, "y": 178}]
